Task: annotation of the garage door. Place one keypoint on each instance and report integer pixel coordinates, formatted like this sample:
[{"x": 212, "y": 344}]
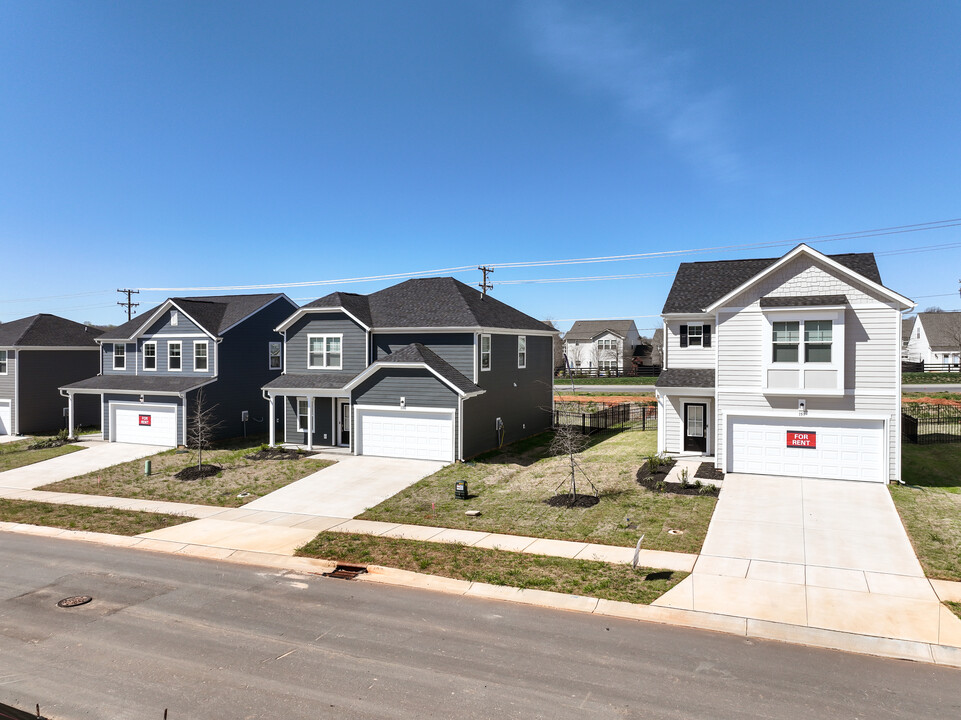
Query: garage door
[
  {"x": 833, "y": 449},
  {"x": 5, "y": 426},
  {"x": 406, "y": 434},
  {"x": 143, "y": 424}
]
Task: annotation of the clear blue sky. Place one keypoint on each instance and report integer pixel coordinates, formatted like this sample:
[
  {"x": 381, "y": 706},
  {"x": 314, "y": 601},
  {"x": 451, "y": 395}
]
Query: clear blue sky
[{"x": 182, "y": 144}]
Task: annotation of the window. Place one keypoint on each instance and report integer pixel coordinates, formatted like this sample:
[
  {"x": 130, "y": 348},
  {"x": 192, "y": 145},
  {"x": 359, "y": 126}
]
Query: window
[
  {"x": 173, "y": 355},
  {"x": 817, "y": 341},
  {"x": 485, "y": 349},
  {"x": 274, "y": 358},
  {"x": 521, "y": 351},
  {"x": 324, "y": 351},
  {"x": 786, "y": 336},
  {"x": 174, "y": 318},
  {"x": 303, "y": 410},
  {"x": 200, "y": 355},
  {"x": 150, "y": 356},
  {"x": 695, "y": 335},
  {"x": 3, "y": 362},
  {"x": 119, "y": 356}
]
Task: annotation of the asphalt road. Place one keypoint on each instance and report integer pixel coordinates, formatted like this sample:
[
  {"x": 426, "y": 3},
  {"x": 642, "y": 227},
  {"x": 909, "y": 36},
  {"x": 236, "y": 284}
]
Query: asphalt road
[
  {"x": 633, "y": 389},
  {"x": 213, "y": 640}
]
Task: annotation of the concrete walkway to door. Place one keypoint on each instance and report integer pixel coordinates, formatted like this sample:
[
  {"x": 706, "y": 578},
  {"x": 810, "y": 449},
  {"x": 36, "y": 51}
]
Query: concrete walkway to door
[
  {"x": 827, "y": 554},
  {"x": 97, "y": 456}
]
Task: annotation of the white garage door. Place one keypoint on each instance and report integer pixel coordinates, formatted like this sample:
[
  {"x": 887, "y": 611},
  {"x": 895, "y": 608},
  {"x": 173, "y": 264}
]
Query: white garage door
[
  {"x": 806, "y": 447},
  {"x": 406, "y": 434},
  {"x": 5, "y": 425},
  {"x": 143, "y": 424}
]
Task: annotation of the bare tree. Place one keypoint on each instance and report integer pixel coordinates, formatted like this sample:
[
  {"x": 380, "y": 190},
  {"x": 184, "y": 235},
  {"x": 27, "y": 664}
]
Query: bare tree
[
  {"x": 558, "y": 345},
  {"x": 202, "y": 427},
  {"x": 569, "y": 441}
]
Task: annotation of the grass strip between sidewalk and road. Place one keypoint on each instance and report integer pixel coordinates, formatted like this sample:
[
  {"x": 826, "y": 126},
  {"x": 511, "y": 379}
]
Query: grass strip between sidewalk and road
[
  {"x": 589, "y": 578},
  {"x": 17, "y": 454},
  {"x": 930, "y": 378},
  {"x": 90, "y": 519}
]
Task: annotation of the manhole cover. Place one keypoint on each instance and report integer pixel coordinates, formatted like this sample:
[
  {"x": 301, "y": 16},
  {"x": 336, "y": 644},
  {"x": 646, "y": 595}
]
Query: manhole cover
[
  {"x": 74, "y": 601},
  {"x": 675, "y": 532}
]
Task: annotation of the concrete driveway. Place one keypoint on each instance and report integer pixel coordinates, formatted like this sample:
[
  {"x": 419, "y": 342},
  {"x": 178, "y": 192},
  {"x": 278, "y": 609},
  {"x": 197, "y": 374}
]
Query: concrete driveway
[
  {"x": 826, "y": 554},
  {"x": 96, "y": 456}
]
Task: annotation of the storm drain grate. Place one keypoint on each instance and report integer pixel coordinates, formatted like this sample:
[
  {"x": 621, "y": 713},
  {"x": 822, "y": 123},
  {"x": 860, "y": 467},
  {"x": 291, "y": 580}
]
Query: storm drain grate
[
  {"x": 346, "y": 572},
  {"x": 74, "y": 601}
]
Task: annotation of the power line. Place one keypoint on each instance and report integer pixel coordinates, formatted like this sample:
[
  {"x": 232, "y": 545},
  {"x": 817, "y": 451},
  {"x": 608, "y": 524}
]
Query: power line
[{"x": 584, "y": 279}]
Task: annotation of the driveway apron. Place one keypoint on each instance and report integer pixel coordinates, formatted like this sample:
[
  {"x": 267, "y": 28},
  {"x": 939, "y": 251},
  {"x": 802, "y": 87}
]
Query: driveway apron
[
  {"x": 97, "y": 456},
  {"x": 828, "y": 554}
]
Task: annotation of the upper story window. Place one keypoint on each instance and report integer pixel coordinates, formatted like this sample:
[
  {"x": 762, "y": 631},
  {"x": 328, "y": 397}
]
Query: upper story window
[
  {"x": 174, "y": 359},
  {"x": 608, "y": 344},
  {"x": 695, "y": 335},
  {"x": 817, "y": 341},
  {"x": 818, "y": 338},
  {"x": 150, "y": 356},
  {"x": 485, "y": 352},
  {"x": 200, "y": 355},
  {"x": 324, "y": 352},
  {"x": 274, "y": 357},
  {"x": 521, "y": 351},
  {"x": 786, "y": 338},
  {"x": 3, "y": 362},
  {"x": 119, "y": 356}
]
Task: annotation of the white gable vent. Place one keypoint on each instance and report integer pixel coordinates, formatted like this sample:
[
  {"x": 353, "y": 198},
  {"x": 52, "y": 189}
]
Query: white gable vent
[{"x": 173, "y": 317}]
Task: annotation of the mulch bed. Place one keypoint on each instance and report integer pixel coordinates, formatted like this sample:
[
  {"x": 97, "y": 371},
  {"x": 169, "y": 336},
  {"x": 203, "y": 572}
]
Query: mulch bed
[
  {"x": 196, "y": 473},
  {"x": 578, "y": 501},
  {"x": 707, "y": 471},
  {"x": 650, "y": 480},
  {"x": 278, "y": 453},
  {"x": 656, "y": 483}
]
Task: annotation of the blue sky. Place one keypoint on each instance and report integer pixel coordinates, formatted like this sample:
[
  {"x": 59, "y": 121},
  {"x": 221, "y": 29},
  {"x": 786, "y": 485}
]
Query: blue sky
[{"x": 202, "y": 144}]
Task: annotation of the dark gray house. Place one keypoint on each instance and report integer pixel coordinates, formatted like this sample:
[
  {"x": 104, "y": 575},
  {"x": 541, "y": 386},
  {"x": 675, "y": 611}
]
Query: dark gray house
[
  {"x": 152, "y": 367},
  {"x": 427, "y": 369},
  {"x": 38, "y": 354}
]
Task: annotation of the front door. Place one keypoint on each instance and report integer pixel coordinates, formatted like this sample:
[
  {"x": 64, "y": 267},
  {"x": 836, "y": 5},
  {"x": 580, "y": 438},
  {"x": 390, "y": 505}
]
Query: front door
[
  {"x": 695, "y": 427},
  {"x": 343, "y": 422}
]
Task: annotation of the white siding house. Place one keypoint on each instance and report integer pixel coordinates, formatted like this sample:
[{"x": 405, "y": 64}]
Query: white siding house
[
  {"x": 935, "y": 339},
  {"x": 603, "y": 345},
  {"x": 784, "y": 366}
]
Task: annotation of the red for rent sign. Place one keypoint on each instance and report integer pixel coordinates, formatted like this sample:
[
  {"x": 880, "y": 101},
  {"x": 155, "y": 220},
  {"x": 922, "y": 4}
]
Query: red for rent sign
[
  {"x": 801, "y": 439},
  {"x": 145, "y": 420}
]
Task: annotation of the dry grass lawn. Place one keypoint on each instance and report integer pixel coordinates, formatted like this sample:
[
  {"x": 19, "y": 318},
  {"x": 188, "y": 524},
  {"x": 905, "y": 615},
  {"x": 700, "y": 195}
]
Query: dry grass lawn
[
  {"x": 16, "y": 454},
  {"x": 510, "y": 488},
  {"x": 90, "y": 519},
  {"x": 256, "y": 478}
]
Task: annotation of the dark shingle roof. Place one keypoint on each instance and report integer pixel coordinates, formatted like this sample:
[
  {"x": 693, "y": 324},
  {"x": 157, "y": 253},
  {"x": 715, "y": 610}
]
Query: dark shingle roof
[
  {"x": 45, "y": 330},
  {"x": 417, "y": 353},
  {"x": 699, "y": 284},
  {"x": 803, "y": 300},
  {"x": 685, "y": 377},
  {"x": 587, "y": 329},
  {"x": 315, "y": 381},
  {"x": 942, "y": 329},
  {"x": 214, "y": 314},
  {"x": 138, "y": 383},
  {"x": 430, "y": 302}
]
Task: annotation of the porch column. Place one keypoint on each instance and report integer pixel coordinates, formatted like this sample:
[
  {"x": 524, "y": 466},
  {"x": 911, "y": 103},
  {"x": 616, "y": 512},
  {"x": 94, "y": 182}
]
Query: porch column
[
  {"x": 310, "y": 422},
  {"x": 272, "y": 421},
  {"x": 69, "y": 414}
]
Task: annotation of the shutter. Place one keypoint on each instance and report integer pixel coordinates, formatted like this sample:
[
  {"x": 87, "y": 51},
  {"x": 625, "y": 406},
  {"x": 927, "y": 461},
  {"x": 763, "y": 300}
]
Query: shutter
[
  {"x": 683, "y": 335},
  {"x": 707, "y": 336}
]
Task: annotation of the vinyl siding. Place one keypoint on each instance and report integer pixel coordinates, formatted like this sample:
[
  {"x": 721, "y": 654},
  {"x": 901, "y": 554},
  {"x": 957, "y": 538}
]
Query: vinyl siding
[
  {"x": 456, "y": 348},
  {"x": 323, "y": 422},
  {"x": 42, "y": 374},
  {"x": 690, "y": 357},
  {"x": 8, "y": 388},
  {"x": 186, "y": 356},
  {"x": 148, "y": 400},
  {"x": 354, "y": 344},
  {"x": 672, "y": 425},
  {"x": 106, "y": 350}
]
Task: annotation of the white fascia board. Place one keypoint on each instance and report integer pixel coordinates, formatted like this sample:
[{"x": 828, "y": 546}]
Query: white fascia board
[
  {"x": 669, "y": 317},
  {"x": 416, "y": 365},
  {"x": 304, "y": 392},
  {"x": 906, "y": 303},
  {"x": 301, "y": 312},
  {"x": 282, "y": 296},
  {"x": 607, "y": 332},
  {"x": 187, "y": 315}
]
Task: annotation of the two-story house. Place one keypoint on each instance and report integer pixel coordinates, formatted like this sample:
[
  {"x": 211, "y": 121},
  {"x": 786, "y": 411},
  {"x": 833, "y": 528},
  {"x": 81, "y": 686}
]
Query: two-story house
[
  {"x": 935, "y": 339},
  {"x": 38, "y": 354},
  {"x": 427, "y": 369},
  {"x": 603, "y": 345},
  {"x": 152, "y": 367},
  {"x": 784, "y": 366}
]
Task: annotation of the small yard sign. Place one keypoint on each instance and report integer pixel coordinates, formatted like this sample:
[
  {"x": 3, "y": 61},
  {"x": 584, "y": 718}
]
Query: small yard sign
[
  {"x": 145, "y": 420},
  {"x": 801, "y": 439}
]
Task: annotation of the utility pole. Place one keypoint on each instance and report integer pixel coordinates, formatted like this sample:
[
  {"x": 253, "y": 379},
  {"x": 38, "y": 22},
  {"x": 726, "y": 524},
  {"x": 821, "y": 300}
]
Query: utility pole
[
  {"x": 129, "y": 305},
  {"x": 485, "y": 286}
]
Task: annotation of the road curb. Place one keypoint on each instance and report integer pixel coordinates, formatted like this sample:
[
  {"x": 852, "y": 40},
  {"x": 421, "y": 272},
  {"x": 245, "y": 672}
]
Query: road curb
[{"x": 944, "y": 655}]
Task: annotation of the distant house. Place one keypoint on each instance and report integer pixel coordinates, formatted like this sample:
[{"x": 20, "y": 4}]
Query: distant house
[
  {"x": 604, "y": 345},
  {"x": 935, "y": 338},
  {"x": 38, "y": 354},
  {"x": 648, "y": 353}
]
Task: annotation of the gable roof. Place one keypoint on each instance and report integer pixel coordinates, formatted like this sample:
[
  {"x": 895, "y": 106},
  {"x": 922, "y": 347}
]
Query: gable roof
[
  {"x": 942, "y": 329},
  {"x": 418, "y": 355},
  {"x": 589, "y": 329},
  {"x": 215, "y": 313},
  {"x": 45, "y": 330},
  {"x": 697, "y": 285},
  {"x": 440, "y": 302}
]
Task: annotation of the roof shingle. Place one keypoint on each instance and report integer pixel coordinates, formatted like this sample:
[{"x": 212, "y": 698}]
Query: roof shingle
[{"x": 45, "y": 330}]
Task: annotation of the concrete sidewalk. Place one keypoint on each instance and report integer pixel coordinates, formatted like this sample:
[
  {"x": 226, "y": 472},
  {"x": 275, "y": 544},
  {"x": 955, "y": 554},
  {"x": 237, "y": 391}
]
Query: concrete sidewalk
[{"x": 97, "y": 455}]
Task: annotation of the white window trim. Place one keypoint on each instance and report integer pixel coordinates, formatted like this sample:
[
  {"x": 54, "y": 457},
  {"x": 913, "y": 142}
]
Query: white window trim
[
  {"x": 700, "y": 334},
  {"x": 325, "y": 337},
  {"x": 6, "y": 362},
  {"x": 306, "y": 415},
  {"x": 772, "y": 315},
  {"x": 490, "y": 356},
  {"x": 521, "y": 341},
  {"x": 280, "y": 355},
  {"x": 201, "y": 343},
  {"x": 113, "y": 351},
  {"x": 143, "y": 349},
  {"x": 170, "y": 346}
]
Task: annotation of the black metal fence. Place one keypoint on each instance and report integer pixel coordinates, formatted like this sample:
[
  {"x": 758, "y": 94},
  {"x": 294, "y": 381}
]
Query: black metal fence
[
  {"x": 623, "y": 416},
  {"x": 930, "y": 367},
  {"x": 931, "y": 424},
  {"x": 638, "y": 371}
]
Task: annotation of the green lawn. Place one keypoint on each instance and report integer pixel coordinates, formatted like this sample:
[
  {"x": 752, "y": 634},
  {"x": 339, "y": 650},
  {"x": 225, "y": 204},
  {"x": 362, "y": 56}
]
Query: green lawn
[
  {"x": 930, "y": 506},
  {"x": 497, "y": 567},
  {"x": 931, "y": 378},
  {"x": 91, "y": 519},
  {"x": 510, "y": 488},
  {"x": 646, "y": 380},
  {"x": 17, "y": 454}
]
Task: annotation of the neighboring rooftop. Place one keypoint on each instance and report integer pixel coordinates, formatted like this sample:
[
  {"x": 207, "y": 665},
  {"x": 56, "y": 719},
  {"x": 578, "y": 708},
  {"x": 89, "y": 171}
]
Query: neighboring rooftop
[
  {"x": 45, "y": 330},
  {"x": 589, "y": 329},
  {"x": 942, "y": 329}
]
